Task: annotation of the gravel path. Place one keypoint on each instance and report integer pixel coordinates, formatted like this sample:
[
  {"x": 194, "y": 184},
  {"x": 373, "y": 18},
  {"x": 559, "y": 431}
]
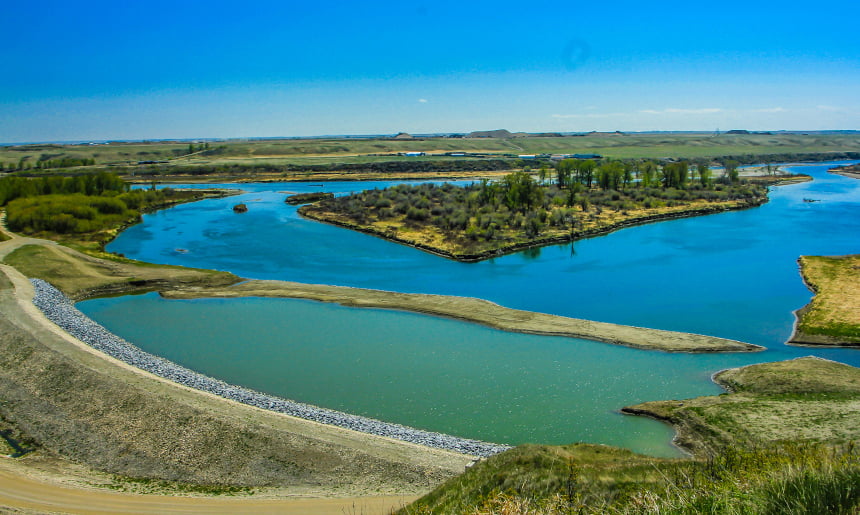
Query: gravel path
[{"x": 60, "y": 310}]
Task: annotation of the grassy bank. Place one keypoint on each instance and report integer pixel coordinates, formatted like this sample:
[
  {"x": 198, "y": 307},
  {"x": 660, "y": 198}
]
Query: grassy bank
[
  {"x": 782, "y": 442},
  {"x": 83, "y": 276},
  {"x": 833, "y": 315},
  {"x": 806, "y": 399}
]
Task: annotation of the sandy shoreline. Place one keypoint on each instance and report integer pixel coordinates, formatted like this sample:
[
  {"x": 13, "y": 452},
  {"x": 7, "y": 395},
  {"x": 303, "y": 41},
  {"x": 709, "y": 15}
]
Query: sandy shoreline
[{"x": 847, "y": 173}]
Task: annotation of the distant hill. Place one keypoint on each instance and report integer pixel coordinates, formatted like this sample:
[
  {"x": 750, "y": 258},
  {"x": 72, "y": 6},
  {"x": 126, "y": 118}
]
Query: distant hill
[
  {"x": 404, "y": 135},
  {"x": 498, "y": 133},
  {"x": 744, "y": 131},
  {"x": 595, "y": 133}
]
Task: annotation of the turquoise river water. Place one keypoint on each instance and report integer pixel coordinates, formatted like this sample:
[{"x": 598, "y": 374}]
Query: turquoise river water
[{"x": 732, "y": 275}]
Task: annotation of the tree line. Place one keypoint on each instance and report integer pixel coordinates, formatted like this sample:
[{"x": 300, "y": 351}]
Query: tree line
[
  {"x": 12, "y": 188},
  {"x": 75, "y": 205},
  {"x": 617, "y": 175},
  {"x": 45, "y": 164}
]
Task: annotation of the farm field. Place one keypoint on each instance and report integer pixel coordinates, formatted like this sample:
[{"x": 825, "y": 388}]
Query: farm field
[{"x": 335, "y": 151}]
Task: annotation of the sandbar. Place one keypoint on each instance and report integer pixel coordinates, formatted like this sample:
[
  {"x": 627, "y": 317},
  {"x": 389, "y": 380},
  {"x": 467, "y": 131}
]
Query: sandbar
[{"x": 474, "y": 310}]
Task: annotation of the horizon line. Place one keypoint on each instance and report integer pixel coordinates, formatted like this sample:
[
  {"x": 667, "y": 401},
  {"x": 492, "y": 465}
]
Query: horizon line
[{"x": 416, "y": 135}]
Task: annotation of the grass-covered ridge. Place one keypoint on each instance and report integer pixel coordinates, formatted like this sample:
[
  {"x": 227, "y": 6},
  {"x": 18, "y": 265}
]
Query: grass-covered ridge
[
  {"x": 833, "y": 315},
  {"x": 488, "y": 218},
  {"x": 782, "y": 442}
]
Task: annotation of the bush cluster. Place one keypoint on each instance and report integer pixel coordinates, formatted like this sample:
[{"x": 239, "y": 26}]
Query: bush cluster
[
  {"x": 78, "y": 213},
  {"x": 488, "y": 210}
]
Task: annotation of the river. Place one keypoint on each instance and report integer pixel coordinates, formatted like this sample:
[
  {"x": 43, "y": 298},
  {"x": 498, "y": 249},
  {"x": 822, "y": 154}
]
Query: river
[{"x": 732, "y": 275}]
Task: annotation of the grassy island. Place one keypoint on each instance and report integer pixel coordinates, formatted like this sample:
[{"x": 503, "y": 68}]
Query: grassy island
[
  {"x": 833, "y": 315},
  {"x": 487, "y": 219},
  {"x": 781, "y": 442}
]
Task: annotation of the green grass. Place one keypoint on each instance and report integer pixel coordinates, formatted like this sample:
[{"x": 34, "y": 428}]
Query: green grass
[{"x": 782, "y": 478}]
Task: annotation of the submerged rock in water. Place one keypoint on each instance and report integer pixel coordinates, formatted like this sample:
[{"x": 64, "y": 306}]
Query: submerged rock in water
[{"x": 240, "y": 208}]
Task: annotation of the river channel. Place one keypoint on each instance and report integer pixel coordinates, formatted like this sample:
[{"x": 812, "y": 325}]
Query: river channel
[{"x": 732, "y": 275}]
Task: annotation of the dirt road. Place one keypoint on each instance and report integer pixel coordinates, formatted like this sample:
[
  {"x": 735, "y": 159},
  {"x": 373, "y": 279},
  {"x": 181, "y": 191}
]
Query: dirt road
[{"x": 28, "y": 494}]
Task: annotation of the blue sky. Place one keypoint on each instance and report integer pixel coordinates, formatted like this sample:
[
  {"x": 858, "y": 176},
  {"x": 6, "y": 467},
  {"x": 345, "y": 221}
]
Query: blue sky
[{"x": 105, "y": 70}]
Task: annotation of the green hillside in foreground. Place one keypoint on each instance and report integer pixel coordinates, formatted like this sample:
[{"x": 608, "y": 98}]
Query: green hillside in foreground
[{"x": 754, "y": 453}]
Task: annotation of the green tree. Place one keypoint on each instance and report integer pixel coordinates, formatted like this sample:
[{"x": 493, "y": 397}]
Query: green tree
[
  {"x": 704, "y": 174},
  {"x": 521, "y": 191},
  {"x": 610, "y": 175},
  {"x": 649, "y": 172},
  {"x": 732, "y": 174},
  {"x": 563, "y": 171},
  {"x": 585, "y": 171},
  {"x": 627, "y": 176}
]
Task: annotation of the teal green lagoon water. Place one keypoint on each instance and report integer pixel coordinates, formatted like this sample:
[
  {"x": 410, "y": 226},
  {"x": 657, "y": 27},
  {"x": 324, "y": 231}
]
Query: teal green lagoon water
[{"x": 732, "y": 275}]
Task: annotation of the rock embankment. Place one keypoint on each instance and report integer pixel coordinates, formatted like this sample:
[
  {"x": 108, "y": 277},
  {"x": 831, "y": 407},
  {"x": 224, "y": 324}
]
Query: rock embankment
[{"x": 60, "y": 310}]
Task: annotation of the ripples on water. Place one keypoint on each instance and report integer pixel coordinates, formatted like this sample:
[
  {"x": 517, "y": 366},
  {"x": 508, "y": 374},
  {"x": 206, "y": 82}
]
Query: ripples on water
[{"x": 732, "y": 275}]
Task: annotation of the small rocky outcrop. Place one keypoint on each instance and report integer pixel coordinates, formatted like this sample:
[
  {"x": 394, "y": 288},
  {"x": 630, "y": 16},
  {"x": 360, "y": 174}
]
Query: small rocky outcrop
[{"x": 240, "y": 208}]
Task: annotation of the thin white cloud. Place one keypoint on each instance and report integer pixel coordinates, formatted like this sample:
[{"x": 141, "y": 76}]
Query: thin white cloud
[
  {"x": 676, "y": 110},
  {"x": 422, "y": 100},
  {"x": 770, "y": 110},
  {"x": 828, "y": 108},
  {"x": 589, "y": 115},
  {"x": 706, "y": 110}
]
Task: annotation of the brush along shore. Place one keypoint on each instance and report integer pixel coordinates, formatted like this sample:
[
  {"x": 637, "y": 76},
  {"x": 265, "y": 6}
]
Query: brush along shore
[
  {"x": 488, "y": 219},
  {"x": 833, "y": 315}
]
